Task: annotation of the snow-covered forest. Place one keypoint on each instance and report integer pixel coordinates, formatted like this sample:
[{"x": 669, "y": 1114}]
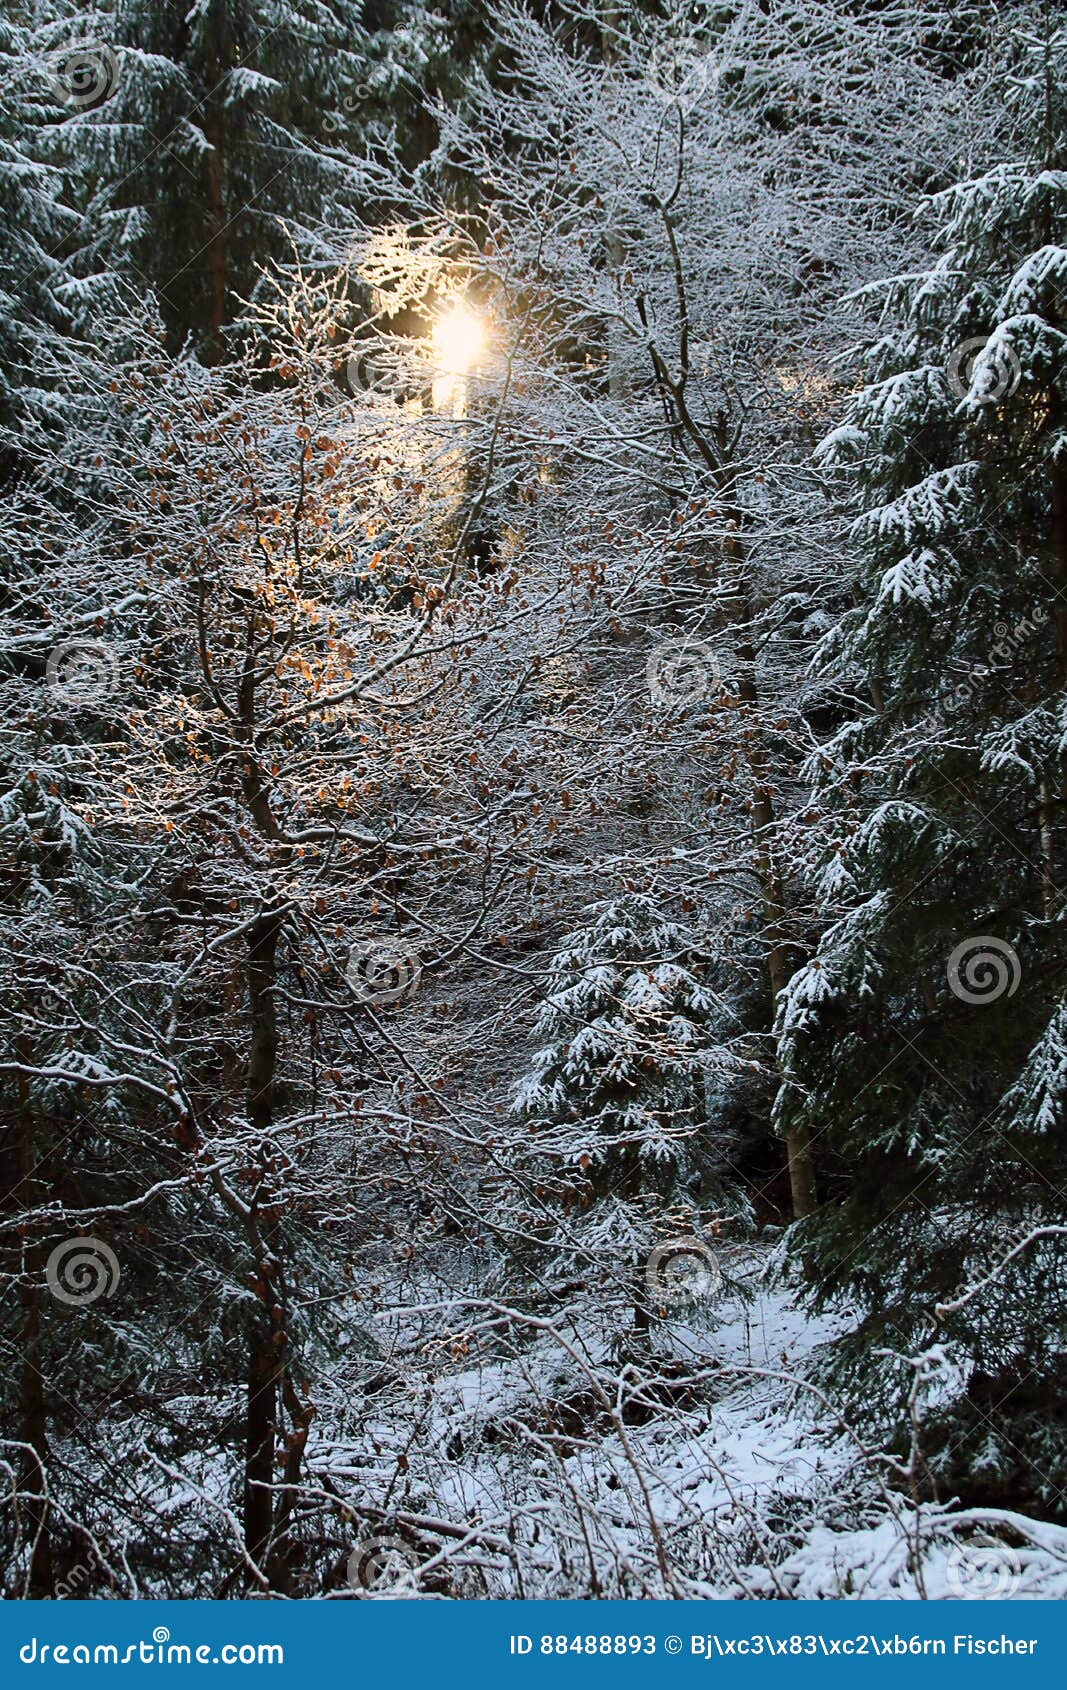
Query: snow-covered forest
[{"x": 533, "y": 810}]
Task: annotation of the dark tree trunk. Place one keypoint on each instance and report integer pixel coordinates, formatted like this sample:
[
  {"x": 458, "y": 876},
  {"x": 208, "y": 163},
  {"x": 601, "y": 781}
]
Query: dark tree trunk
[
  {"x": 1059, "y": 604},
  {"x": 772, "y": 892},
  {"x": 32, "y": 1409},
  {"x": 642, "y": 1311},
  {"x": 267, "y": 1332},
  {"x": 260, "y": 1442},
  {"x": 214, "y": 132}
]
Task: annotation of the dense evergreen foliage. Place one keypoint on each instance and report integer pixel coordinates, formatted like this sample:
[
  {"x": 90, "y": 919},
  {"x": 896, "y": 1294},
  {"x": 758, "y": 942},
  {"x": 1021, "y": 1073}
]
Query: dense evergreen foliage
[{"x": 924, "y": 1042}]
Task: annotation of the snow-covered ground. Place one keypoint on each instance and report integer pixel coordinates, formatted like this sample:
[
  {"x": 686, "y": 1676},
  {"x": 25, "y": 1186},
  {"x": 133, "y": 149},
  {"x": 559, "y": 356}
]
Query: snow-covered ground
[
  {"x": 474, "y": 1450},
  {"x": 707, "y": 1466}
]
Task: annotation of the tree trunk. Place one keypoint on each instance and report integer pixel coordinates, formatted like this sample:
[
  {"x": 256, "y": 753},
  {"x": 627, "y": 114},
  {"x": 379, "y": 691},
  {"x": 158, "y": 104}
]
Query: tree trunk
[
  {"x": 801, "y": 1164},
  {"x": 642, "y": 1312},
  {"x": 259, "y": 1444},
  {"x": 715, "y": 451},
  {"x": 216, "y": 198},
  {"x": 772, "y": 895},
  {"x": 267, "y": 1333},
  {"x": 614, "y": 244},
  {"x": 1059, "y": 608},
  {"x": 32, "y": 1410}
]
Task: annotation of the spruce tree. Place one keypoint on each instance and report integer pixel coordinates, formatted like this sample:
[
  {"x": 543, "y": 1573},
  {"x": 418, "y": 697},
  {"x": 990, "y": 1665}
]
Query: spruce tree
[
  {"x": 617, "y": 1096},
  {"x": 45, "y": 282},
  {"x": 923, "y": 1045},
  {"x": 224, "y": 135}
]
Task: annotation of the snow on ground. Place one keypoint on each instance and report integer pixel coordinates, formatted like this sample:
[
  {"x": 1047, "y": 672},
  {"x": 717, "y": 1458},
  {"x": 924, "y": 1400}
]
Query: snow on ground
[
  {"x": 706, "y": 1468},
  {"x": 970, "y": 1555}
]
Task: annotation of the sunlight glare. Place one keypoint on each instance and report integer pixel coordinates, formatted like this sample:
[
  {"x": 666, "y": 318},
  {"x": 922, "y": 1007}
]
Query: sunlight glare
[{"x": 458, "y": 339}]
